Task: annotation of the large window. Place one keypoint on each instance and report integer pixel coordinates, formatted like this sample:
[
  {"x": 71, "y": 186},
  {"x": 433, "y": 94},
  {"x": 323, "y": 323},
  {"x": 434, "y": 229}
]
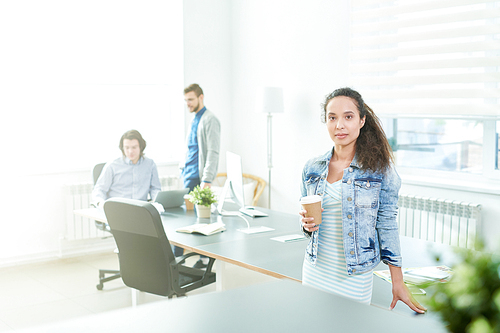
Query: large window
[
  {"x": 471, "y": 147},
  {"x": 439, "y": 144},
  {"x": 430, "y": 69}
]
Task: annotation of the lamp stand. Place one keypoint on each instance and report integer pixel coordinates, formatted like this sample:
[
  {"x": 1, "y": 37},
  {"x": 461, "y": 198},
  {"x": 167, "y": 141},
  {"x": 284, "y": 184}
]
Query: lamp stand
[{"x": 269, "y": 152}]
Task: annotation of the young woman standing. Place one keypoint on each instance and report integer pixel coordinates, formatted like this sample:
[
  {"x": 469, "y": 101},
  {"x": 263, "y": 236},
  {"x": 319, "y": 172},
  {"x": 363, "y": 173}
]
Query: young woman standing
[{"x": 359, "y": 188}]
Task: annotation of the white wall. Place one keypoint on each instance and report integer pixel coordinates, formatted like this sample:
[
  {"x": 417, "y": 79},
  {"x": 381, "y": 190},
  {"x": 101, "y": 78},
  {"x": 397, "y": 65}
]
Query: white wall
[
  {"x": 75, "y": 77},
  {"x": 302, "y": 47},
  {"x": 207, "y": 61}
]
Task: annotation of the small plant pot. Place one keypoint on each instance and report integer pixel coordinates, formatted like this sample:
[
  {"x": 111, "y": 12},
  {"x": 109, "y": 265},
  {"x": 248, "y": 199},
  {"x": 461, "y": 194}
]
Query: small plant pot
[
  {"x": 189, "y": 204},
  {"x": 203, "y": 212}
]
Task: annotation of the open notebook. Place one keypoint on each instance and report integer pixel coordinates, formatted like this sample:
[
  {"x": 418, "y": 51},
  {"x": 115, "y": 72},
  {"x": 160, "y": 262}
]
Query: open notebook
[{"x": 203, "y": 228}]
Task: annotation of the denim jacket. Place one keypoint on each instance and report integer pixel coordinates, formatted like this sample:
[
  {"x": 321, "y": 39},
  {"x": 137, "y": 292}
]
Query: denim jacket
[{"x": 369, "y": 210}]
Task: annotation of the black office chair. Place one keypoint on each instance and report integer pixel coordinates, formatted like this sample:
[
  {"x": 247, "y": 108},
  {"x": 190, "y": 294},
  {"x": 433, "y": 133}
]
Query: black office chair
[
  {"x": 147, "y": 262},
  {"x": 115, "y": 274},
  {"x": 96, "y": 173}
]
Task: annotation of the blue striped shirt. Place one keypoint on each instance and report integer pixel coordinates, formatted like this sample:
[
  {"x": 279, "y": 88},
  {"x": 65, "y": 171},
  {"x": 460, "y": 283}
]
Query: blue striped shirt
[
  {"x": 330, "y": 272},
  {"x": 123, "y": 179},
  {"x": 191, "y": 169}
]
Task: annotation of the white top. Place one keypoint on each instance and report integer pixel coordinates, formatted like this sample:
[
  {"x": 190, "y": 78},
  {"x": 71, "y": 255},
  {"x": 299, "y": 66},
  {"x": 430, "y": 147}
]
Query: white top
[{"x": 330, "y": 272}]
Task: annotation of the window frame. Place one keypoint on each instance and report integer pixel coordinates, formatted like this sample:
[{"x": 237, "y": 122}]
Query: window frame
[{"x": 486, "y": 181}]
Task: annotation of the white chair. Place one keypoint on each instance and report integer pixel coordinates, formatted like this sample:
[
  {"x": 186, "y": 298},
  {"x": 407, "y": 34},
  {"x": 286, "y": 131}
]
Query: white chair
[{"x": 253, "y": 186}]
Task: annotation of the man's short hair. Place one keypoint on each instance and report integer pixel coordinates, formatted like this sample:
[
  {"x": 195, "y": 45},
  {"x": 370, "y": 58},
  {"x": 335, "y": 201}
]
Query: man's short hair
[
  {"x": 131, "y": 135},
  {"x": 195, "y": 88}
]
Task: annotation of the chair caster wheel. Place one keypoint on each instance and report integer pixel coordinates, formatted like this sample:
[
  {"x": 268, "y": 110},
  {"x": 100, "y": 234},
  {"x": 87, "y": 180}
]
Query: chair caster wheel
[{"x": 99, "y": 286}]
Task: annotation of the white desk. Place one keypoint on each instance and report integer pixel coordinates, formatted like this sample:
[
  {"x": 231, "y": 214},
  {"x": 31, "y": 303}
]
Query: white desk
[
  {"x": 281, "y": 306},
  {"x": 281, "y": 260},
  {"x": 233, "y": 246}
]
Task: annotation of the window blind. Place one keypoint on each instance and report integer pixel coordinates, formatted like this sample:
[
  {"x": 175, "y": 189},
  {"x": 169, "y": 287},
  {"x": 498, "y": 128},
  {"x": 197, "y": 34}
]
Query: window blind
[{"x": 427, "y": 58}]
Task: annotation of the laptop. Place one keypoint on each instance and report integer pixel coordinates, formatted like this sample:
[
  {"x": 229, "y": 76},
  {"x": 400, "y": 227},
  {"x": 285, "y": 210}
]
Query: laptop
[{"x": 172, "y": 198}]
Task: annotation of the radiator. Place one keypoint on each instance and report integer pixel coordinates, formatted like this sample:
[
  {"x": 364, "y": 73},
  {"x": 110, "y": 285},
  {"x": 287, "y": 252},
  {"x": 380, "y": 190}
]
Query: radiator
[
  {"x": 79, "y": 196},
  {"x": 443, "y": 221}
]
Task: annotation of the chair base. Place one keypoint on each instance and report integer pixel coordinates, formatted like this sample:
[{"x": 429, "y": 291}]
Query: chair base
[{"x": 103, "y": 278}]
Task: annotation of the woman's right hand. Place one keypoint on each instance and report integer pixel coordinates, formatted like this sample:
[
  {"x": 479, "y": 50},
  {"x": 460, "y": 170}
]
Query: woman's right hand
[{"x": 308, "y": 222}]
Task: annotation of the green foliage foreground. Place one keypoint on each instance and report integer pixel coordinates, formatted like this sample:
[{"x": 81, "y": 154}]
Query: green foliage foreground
[{"x": 470, "y": 301}]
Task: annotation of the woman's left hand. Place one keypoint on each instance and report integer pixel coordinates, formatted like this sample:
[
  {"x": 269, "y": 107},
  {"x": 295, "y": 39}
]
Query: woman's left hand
[{"x": 400, "y": 292}]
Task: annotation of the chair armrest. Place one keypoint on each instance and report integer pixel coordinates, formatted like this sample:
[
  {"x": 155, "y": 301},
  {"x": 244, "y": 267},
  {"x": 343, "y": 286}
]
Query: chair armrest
[
  {"x": 182, "y": 259},
  {"x": 208, "y": 270}
]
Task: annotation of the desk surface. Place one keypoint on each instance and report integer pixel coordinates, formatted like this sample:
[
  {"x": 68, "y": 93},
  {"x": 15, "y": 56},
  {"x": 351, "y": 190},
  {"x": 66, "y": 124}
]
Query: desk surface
[
  {"x": 281, "y": 260},
  {"x": 281, "y": 306},
  {"x": 284, "y": 260},
  {"x": 177, "y": 217},
  {"x": 247, "y": 250},
  {"x": 233, "y": 246}
]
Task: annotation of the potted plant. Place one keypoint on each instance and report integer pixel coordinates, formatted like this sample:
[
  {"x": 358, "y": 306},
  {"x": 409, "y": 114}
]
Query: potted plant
[
  {"x": 470, "y": 301},
  {"x": 202, "y": 198}
]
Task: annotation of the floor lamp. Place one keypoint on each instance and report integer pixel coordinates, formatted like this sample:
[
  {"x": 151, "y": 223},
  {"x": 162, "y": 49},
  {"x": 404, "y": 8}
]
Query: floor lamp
[{"x": 270, "y": 100}]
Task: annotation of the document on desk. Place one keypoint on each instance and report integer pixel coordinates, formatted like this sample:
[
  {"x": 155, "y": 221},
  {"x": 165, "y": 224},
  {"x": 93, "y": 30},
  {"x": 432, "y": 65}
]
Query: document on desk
[
  {"x": 255, "y": 230},
  {"x": 203, "y": 228},
  {"x": 289, "y": 238},
  {"x": 418, "y": 275}
]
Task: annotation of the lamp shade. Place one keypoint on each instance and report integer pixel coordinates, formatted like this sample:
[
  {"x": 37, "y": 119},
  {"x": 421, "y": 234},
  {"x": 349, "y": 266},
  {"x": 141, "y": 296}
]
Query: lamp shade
[{"x": 270, "y": 100}]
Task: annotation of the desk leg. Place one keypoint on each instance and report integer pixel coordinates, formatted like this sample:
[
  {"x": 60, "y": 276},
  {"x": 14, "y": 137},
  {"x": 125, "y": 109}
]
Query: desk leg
[
  {"x": 220, "y": 266},
  {"x": 134, "y": 297}
]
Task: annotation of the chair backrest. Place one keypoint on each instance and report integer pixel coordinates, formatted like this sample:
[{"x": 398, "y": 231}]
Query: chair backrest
[
  {"x": 144, "y": 250},
  {"x": 259, "y": 187},
  {"x": 260, "y": 184},
  {"x": 97, "y": 171}
]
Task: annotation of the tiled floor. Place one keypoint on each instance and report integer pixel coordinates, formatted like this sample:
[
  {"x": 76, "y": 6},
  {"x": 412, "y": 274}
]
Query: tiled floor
[{"x": 36, "y": 294}]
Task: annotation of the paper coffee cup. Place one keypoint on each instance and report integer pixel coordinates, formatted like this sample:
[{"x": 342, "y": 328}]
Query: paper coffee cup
[{"x": 312, "y": 204}]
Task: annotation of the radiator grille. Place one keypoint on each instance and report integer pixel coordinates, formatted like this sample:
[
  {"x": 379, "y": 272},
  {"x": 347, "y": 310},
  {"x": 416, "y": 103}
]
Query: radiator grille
[
  {"x": 439, "y": 220},
  {"x": 79, "y": 196}
]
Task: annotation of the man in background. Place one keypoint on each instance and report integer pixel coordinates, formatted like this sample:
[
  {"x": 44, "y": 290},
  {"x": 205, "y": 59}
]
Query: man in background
[
  {"x": 203, "y": 144},
  {"x": 132, "y": 176}
]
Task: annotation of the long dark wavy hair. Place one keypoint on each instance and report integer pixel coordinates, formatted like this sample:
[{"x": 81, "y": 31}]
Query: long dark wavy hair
[{"x": 373, "y": 151}]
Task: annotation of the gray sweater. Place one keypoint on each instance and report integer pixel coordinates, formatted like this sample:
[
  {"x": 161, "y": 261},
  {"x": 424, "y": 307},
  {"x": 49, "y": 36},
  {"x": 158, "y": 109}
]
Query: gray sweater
[{"x": 208, "y": 146}]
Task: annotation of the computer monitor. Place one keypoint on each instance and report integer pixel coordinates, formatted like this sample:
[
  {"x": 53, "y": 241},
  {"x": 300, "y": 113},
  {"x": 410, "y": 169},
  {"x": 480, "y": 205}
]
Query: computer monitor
[{"x": 232, "y": 192}]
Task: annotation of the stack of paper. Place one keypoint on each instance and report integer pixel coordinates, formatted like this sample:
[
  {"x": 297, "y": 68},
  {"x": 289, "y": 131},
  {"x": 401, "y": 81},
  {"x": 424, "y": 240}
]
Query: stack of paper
[
  {"x": 255, "y": 230},
  {"x": 289, "y": 238},
  {"x": 418, "y": 275},
  {"x": 426, "y": 274}
]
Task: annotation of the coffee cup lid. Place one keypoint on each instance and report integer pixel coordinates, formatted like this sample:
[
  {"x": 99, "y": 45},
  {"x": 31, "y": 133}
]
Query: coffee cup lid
[{"x": 310, "y": 199}]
